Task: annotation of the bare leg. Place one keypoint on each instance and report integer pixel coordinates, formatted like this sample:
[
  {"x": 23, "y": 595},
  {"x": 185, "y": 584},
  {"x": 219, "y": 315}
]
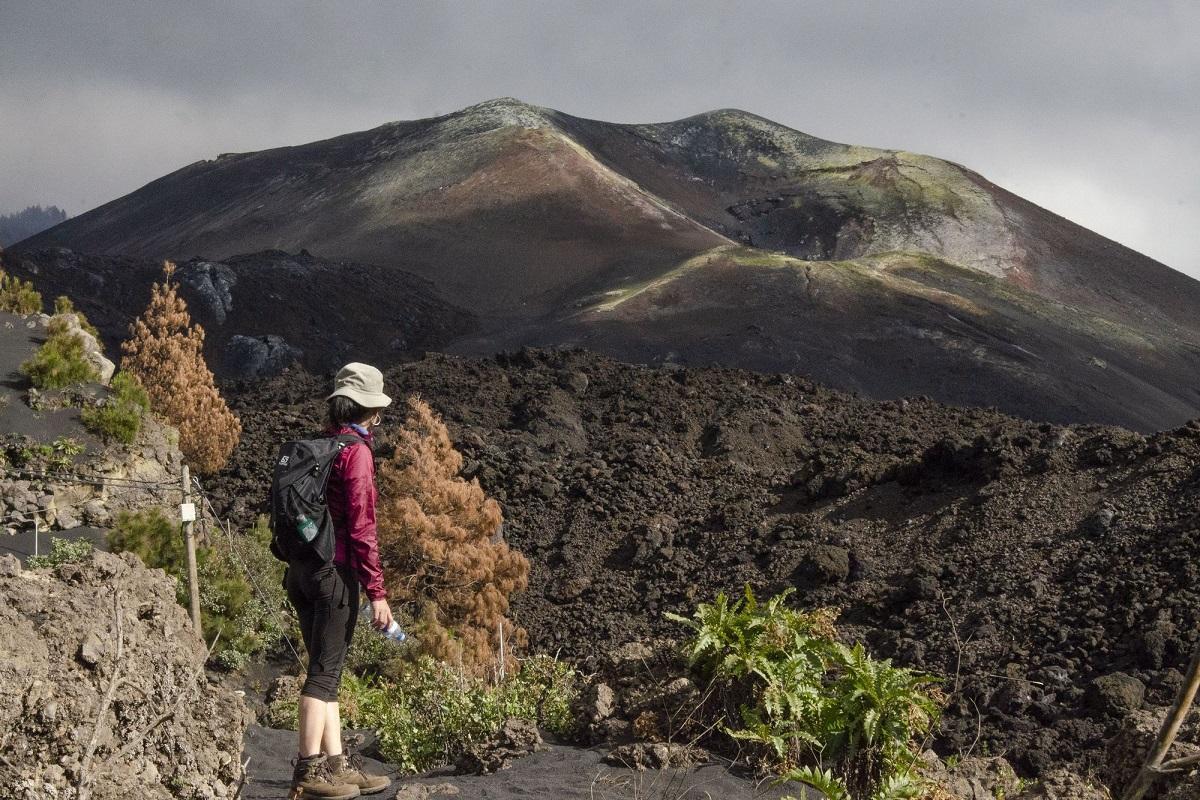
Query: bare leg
[
  {"x": 331, "y": 738},
  {"x": 313, "y": 716}
]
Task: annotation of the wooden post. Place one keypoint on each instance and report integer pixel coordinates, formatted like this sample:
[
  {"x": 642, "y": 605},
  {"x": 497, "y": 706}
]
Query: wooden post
[
  {"x": 190, "y": 541},
  {"x": 1167, "y": 733},
  {"x": 500, "y": 625}
]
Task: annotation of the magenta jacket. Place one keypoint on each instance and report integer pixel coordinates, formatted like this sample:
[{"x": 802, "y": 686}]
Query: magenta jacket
[{"x": 351, "y": 497}]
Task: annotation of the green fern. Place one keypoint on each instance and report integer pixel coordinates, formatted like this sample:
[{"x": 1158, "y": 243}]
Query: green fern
[
  {"x": 899, "y": 787},
  {"x": 826, "y": 713},
  {"x": 821, "y": 780}
]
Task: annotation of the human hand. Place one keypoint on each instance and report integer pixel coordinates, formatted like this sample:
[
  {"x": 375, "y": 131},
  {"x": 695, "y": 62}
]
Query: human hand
[{"x": 381, "y": 614}]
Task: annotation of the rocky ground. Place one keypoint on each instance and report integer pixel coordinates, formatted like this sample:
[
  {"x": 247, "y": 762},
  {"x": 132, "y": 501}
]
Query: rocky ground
[
  {"x": 554, "y": 770},
  {"x": 52, "y": 468},
  {"x": 1047, "y": 572},
  {"x": 102, "y": 688}
]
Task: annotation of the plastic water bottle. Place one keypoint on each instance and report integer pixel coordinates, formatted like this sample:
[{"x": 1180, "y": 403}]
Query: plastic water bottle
[
  {"x": 393, "y": 630},
  {"x": 306, "y": 527}
]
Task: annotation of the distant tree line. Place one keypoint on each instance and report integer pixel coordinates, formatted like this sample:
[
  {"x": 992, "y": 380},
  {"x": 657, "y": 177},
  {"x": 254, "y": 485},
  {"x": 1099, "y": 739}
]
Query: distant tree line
[{"x": 23, "y": 224}]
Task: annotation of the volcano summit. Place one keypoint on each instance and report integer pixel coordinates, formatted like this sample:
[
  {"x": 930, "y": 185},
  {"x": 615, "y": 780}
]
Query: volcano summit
[{"x": 723, "y": 238}]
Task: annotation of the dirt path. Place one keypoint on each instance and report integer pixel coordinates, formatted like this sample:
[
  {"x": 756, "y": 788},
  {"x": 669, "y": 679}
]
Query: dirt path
[{"x": 558, "y": 772}]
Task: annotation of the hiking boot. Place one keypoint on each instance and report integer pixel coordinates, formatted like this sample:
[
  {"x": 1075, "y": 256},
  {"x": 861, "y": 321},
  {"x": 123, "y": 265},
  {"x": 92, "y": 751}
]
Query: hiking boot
[
  {"x": 348, "y": 768},
  {"x": 312, "y": 780}
]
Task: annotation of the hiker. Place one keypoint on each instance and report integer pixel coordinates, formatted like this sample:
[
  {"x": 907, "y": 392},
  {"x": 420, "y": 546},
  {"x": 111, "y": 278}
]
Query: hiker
[{"x": 326, "y": 596}]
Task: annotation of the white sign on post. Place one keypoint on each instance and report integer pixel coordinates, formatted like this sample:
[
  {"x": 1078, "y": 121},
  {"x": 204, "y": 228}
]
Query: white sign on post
[{"x": 187, "y": 512}]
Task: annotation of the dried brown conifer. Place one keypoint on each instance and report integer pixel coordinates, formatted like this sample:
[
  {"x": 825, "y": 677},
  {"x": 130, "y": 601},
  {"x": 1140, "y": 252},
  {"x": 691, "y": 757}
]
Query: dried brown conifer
[
  {"x": 439, "y": 540},
  {"x": 165, "y": 353}
]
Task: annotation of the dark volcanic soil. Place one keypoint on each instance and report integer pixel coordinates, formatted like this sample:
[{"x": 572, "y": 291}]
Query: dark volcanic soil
[
  {"x": 1031, "y": 558},
  {"x": 557, "y": 771},
  {"x": 261, "y": 311}
]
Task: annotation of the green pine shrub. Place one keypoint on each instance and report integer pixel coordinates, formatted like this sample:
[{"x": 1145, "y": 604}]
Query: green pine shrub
[
  {"x": 258, "y": 613},
  {"x": 810, "y": 707},
  {"x": 60, "y": 361},
  {"x": 119, "y": 416},
  {"x": 18, "y": 296}
]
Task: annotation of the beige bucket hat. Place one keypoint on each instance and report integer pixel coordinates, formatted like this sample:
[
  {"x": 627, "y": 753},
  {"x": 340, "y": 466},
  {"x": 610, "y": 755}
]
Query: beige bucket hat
[{"x": 362, "y": 383}]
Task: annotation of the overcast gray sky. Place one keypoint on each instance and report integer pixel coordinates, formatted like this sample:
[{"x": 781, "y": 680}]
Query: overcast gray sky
[{"x": 1090, "y": 109}]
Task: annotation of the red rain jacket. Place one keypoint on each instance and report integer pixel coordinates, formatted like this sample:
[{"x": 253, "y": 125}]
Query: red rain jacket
[{"x": 351, "y": 497}]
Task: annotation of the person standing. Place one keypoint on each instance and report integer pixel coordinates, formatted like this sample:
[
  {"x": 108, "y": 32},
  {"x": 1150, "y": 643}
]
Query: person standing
[{"x": 326, "y": 596}]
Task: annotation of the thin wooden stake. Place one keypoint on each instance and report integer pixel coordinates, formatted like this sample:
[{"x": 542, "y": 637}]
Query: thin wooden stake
[
  {"x": 190, "y": 540},
  {"x": 500, "y": 625},
  {"x": 1167, "y": 733}
]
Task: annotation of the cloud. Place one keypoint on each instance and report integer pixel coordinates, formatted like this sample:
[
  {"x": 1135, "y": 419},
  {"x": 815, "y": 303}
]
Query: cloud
[{"x": 1085, "y": 108}]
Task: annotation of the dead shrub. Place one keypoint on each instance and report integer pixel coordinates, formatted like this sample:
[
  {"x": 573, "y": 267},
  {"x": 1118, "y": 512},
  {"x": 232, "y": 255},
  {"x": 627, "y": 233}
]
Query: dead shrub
[
  {"x": 442, "y": 550},
  {"x": 165, "y": 353}
]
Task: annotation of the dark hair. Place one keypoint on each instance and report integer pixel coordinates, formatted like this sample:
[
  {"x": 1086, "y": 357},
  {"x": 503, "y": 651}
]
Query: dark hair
[{"x": 343, "y": 411}]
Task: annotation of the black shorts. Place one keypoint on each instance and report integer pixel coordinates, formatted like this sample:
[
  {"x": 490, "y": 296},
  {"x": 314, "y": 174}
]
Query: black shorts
[{"x": 326, "y": 600}]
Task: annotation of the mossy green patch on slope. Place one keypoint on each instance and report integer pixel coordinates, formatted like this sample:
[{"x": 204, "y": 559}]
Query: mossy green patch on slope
[
  {"x": 617, "y": 296},
  {"x": 739, "y": 136},
  {"x": 854, "y": 274},
  {"x": 949, "y": 278},
  {"x": 960, "y": 290}
]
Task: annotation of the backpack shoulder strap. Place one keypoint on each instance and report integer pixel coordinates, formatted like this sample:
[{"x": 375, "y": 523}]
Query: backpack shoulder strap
[{"x": 345, "y": 440}]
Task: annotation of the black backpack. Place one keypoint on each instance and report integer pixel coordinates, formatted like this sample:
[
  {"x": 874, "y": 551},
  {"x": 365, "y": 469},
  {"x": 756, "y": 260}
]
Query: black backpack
[{"x": 301, "y": 528}]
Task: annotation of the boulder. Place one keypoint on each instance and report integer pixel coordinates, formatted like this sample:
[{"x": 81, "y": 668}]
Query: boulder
[
  {"x": 516, "y": 738},
  {"x": 211, "y": 284},
  {"x": 594, "y": 709},
  {"x": 981, "y": 779},
  {"x": 256, "y": 357},
  {"x": 631, "y": 658},
  {"x": 10, "y": 566},
  {"x": 1126, "y": 751},
  {"x": 601, "y": 702},
  {"x": 1063, "y": 784},
  {"x": 573, "y": 381},
  {"x": 92, "y": 649},
  {"x": 971, "y": 778},
  {"x": 654, "y": 755},
  {"x": 825, "y": 563},
  {"x": 93, "y": 351},
  {"x": 1116, "y": 693},
  {"x": 96, "y": 513}
]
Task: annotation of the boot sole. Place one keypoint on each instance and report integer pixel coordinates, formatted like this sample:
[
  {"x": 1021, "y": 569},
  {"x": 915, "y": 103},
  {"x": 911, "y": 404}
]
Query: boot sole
[
  {"x": 383, "y": 788},
  {"x": 305, "y": 796}
]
